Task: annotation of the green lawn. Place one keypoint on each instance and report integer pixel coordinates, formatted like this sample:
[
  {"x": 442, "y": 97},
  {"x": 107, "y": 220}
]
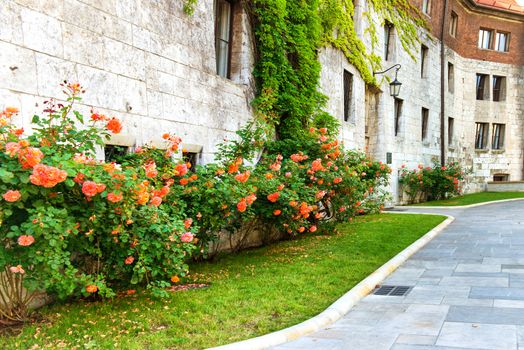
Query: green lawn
[
  {"x": 250, "y": 294},
  {"x": 474, "y": 198}
]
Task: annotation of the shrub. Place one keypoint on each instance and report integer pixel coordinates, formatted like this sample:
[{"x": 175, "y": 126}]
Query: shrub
[
  {"x": 431, "y": 183},
  {"x": 74, "y": 226}
]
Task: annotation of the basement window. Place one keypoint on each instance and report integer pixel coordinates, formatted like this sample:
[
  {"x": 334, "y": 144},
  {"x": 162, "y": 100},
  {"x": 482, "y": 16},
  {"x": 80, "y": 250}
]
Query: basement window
[
  {"x": 501, "y": 177},
  {"x": 114, "y": 153}
]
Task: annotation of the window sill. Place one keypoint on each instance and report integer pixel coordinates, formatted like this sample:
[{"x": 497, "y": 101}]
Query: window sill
[
  {"x": 451, "y": 148},
  {"x": 482, "y": 150},
  {"x": 498, "y": 151}
]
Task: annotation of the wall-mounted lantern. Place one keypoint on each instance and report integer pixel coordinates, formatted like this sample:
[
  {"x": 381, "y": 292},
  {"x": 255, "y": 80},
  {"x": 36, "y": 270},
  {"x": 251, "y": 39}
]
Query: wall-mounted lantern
[{"x": 395, "y": 85}]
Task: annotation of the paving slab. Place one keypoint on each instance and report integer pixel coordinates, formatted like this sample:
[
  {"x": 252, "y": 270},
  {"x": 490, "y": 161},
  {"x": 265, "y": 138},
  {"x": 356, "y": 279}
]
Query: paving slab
[{"x": 468, "y": 292}]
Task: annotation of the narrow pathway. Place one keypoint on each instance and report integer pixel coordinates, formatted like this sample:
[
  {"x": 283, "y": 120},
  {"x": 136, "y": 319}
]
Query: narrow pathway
[{"x": 467, "y": 292}]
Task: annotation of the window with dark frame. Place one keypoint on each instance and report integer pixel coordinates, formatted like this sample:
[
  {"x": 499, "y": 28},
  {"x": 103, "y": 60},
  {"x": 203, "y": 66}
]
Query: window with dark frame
[
  {"x": 453, "y": 24},
  {"x": 398, "y": 115},
  {"x": 451, "y": 77},
  {"x": 223, "y": 35},
  {"x": 499, "y": 88},
  {"x": 388, "y": 38},
  {"x": 482, "y": 89},
  {"x": 486, "y": 38},
  {"x": 423, "y": 61},
  {"x": 426, "y": 7},
  {"x": 502, "y": 42},
  {"x": 497, "y": 141},
  {"x": 481, "y": 135},
  {"x": 425, "y": 118},
  {"x": 451, "y": 127},
  {"x": 348, "y": 95}
]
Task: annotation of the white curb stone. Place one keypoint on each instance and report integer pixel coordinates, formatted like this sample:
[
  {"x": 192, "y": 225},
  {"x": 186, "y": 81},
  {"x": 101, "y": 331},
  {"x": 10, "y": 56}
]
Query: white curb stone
[
  {"x": 342, "y": 306},
  {"x": 458, "y": 206}
]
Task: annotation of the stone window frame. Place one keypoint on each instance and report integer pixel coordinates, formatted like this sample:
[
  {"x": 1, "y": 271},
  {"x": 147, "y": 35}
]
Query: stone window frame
[
  {"x": 451, "y": 130},
  {"x": 348, "y": 83},
  {"x": 424, "y": 123},
  {"x": 499, "y": 136},
  {"x": 481, "y": 135},
  {"x": 453, "y": 24},
  {"x": 229, "y": 42}
]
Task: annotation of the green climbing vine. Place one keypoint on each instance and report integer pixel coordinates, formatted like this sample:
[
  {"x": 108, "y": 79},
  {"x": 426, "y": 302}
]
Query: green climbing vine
[{"x": 288, "y": 35}]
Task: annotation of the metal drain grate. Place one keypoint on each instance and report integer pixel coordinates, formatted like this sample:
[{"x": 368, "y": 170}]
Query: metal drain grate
[{"x": 393, "y": 291}]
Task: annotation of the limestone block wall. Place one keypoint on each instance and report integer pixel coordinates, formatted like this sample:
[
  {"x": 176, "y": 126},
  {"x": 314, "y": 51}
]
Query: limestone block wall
[
  {"x": 467, "y": 110},
  {"x": 145, "y": 62}
]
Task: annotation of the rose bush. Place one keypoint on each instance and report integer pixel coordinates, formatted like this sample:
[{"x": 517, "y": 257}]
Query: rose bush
[
  {"x": 431, "y": 183},
  {"x": 73, "y": 225}
]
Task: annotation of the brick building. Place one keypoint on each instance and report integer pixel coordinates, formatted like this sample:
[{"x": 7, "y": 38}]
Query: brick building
[{"x": 159, "y": 70}]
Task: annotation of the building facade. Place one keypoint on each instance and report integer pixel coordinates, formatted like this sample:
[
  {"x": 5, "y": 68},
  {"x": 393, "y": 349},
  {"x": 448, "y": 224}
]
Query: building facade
[{"x": 160, "y": 70}]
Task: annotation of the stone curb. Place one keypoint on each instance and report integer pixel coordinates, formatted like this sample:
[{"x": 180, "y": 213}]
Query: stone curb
[
  {"x": 458, "y": 206},
  {"x": 342, "y": 306}
]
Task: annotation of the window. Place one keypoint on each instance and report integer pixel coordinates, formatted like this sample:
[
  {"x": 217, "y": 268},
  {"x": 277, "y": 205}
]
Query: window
[
  {"x": 486, "y": 38},
  {"x": 482, "y": 87},
  {"x": 348, "y": 94},
  {"x": 502, "y": 42},
  {"x": 388, "y": 39},
  {"x": 423, "y": 61},
  {"x": 426, "y": 6},
  {"x": 425, "y": 117},
  {"x": 497, "y": 141},
  {"x": 499, "y": 88},
  {"x": 223, "y": 36},
  {"x": 501, "y": 177},
  {"x": 191, "y": 158},
  {"x": 113, "y": 153},
  {"x": 451, "y": 77},
  {"x": 451, "y": 126},
  {"x": 453, "y": 24},
  {"x": 398, "y": 114},
  {"x": 481, "y": 135}
]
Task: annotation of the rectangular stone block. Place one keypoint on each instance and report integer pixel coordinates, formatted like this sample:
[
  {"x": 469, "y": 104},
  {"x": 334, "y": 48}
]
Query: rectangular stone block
[{"x": 478, "y": 336}]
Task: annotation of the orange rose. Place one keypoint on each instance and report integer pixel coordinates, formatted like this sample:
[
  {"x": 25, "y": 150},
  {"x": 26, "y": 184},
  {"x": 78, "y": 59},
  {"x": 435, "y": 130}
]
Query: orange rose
[
  {"x": 242, "y": 206},
  {"x": 26, "y": 240},
  {"x": 277, "y": 212},
  {"x": 175, "y": 279},
  {"x": 114, "y": 125},
  {"x": 12, "y": 196},
  {"x": 91, "y": 288},
  {"x": 273, "y": 197}
]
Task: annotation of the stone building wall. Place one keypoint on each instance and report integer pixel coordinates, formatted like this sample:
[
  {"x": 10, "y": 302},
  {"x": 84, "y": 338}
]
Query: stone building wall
[{"x": 145, "y": 62}]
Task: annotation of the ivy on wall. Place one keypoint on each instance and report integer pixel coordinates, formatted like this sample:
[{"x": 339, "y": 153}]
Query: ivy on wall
[{"x": 288, "y": 35}]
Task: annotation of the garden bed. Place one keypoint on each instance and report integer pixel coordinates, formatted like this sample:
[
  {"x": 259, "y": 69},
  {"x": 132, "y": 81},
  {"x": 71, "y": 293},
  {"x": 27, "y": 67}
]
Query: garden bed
[
  {"x": 249, "y": 294},
  {"x": 473, "y": 198}
]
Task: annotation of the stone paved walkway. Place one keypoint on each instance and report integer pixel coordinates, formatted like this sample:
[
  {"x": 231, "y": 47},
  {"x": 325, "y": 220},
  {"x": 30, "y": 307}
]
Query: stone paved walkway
[{"x": 468, "y": 292}]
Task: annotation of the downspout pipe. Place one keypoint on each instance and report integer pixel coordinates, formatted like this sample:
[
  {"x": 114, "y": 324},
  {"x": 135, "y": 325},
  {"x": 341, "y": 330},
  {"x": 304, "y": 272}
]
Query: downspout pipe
[{"x": 443, "y": 86}]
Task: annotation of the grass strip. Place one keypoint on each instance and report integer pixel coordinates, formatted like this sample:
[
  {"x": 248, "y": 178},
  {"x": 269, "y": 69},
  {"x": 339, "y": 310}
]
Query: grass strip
[{"x": 251, "y": 293}]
